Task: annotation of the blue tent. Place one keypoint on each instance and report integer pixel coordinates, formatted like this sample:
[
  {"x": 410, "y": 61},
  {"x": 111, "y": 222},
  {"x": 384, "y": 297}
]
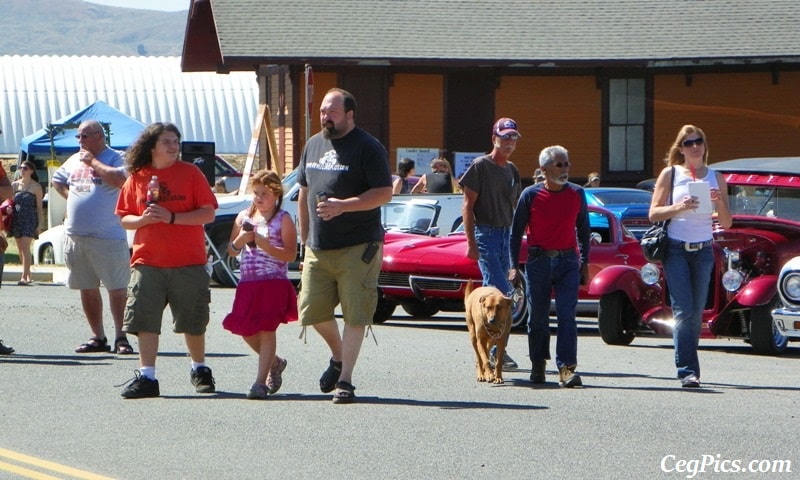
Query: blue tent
[{"x": 122, "y": 131}]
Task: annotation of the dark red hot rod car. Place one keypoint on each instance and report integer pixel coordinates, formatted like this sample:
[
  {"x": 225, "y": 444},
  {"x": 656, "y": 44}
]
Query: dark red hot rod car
[{"x": 764, "y": 197}]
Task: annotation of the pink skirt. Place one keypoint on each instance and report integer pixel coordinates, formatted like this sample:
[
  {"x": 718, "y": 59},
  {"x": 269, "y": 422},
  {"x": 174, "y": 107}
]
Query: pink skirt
[{"x": 261, "y": 305}]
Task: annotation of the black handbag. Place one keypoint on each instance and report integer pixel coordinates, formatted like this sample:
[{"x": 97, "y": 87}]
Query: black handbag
[{"x": 655, "y": 241}]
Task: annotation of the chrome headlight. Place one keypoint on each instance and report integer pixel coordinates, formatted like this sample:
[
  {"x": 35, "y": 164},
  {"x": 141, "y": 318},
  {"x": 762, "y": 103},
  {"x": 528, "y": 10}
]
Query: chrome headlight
[
  {"x": 650, "y": 273},
  {"x": 790, "y": 286},
  {"x": 732, "y": 280}
]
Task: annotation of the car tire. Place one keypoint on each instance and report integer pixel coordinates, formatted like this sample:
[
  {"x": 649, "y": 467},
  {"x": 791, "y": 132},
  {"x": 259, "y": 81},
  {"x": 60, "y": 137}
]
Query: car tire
[
  {"x": 765, "y": 338},
  {"x": 614, "y": 315},
  {"x": 418, "y": 309},
  {"x": 384, "y": 310},
  {"x": 519, "y": 312},
  {"x": 47, "y": 256}
]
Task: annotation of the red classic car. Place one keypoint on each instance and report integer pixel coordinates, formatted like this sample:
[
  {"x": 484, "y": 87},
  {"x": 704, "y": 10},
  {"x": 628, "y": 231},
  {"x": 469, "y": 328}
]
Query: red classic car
[
  {"x": 764, "y": 198},
  {"x": 426, "y": 275}
]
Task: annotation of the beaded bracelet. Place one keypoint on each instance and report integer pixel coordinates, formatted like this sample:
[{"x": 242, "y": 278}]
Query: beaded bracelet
[{"x": 233, "y": 247}]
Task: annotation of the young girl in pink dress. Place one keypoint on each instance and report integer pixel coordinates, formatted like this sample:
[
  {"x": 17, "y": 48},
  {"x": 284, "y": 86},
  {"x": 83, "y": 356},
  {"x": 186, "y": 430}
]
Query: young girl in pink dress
[{"x": 266, "y": 237}]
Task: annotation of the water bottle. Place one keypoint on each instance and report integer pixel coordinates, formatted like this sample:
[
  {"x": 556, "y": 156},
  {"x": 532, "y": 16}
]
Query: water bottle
[
  {"x": 152, "y": 191},
  {"x": 262, "y": 228}
]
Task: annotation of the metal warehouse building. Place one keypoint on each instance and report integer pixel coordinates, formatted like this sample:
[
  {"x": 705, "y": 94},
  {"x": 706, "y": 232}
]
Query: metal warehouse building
[{"x": 206, "y": 107}]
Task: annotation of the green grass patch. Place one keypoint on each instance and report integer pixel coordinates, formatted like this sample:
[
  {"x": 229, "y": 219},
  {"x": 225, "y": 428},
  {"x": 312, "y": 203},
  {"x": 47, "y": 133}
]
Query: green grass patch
[{"x": 12, "y": 254}]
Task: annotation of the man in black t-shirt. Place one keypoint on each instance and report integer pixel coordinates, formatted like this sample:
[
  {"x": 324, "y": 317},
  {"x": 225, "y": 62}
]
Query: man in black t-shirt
[{"x": 344, "y": 178}]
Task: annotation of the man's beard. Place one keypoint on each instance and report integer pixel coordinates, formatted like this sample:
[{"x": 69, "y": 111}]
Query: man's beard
[
  {"x": 560, "y": 180},
  {"x": 329, "y": 131}
]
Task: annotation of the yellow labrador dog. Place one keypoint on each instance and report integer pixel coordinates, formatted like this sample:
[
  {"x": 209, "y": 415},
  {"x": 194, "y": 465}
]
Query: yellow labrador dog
[{"x": 488, "y": 315}]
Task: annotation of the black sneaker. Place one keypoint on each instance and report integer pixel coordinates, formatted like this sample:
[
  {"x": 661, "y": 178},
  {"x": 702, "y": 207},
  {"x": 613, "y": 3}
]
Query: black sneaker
[
  {"x": 5, "y": 350},
  {"x": 141, "y": 387},
  {"x": 202, "y": 380},
  {"x": 538, "y": 371},
  {"x": 327, "y": 382}
]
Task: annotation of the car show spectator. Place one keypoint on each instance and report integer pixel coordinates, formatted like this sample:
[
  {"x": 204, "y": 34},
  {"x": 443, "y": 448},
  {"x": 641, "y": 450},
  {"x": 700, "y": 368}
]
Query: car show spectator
[
  {"x": 344, "y": 178},
  {"x": 491, "y": 187},
  {"x": 96, "y": 247},
  {"x": 404, "y": 168},
  {"x": 555, "y": 216},
  {"x": 689, "y": 257},
  {"x": 440, "y": 180},
  {"x": 5, "y": 193},
  {"x": 165, "y": 199},
  {"x": 265, "y": 236},
  {"x": 592, "y": 180},
  {"x": 28, "y": 216}
]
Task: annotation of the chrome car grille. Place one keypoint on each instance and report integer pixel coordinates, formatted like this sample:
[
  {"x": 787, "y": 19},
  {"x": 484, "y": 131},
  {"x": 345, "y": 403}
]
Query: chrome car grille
[
  {"x": 420, "y": 283},
  {"x": 440, "y": 284},
  {"x": 386, "y": 279}
]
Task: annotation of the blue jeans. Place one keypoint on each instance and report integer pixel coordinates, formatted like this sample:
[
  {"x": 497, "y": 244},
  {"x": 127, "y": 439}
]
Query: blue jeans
[
  {"x": 687, "y": 275},
  {"x": 495, "y": 256},
  {"x": 545, "y": 274}
]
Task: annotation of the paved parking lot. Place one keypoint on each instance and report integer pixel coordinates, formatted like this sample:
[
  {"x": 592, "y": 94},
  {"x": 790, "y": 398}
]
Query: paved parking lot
[{"x": 420, "y": 414}]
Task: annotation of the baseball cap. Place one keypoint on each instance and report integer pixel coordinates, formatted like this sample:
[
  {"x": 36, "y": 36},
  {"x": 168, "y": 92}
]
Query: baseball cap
[{"x": 505, "y": 126}]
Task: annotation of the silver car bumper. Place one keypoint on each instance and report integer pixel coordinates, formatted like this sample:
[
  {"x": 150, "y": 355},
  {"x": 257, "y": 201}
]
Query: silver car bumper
[{"x": 787, "y": 321}]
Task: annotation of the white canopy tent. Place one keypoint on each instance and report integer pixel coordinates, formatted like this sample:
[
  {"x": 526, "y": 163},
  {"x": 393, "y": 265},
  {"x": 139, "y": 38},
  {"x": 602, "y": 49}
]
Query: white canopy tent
[{"x": 206, "y": 107}]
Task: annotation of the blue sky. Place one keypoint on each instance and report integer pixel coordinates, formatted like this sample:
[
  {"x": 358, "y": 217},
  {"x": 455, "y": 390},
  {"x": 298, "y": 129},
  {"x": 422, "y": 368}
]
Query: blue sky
[{"x": 163, "y": 5}]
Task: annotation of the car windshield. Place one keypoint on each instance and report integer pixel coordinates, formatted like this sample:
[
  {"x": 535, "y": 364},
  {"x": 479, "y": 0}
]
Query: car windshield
[
  {"x": 404, "y": 217},
  {"x": 765, "y": 201},
  {"x": 289, "y": 180},
  {"x": 622, "y": 197},
  {"x": 223, "y": 168}
]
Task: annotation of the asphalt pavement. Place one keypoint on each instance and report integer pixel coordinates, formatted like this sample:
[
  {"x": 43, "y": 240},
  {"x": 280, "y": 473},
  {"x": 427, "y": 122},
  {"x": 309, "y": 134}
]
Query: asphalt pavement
[{"x": 420, "y": 413}]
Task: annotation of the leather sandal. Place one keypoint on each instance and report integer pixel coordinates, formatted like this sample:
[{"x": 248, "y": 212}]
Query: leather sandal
[
  {"x": 94, "y": 345},
  {"x": 344, "y": 393},
  {"x": 122, "y": 346}
]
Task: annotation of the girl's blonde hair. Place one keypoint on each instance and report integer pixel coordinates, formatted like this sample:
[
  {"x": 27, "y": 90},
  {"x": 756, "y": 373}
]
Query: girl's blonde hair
[{"x": 270, "y": 180}]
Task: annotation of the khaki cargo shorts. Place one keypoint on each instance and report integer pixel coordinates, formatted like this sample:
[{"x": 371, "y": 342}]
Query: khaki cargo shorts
[{"x": 339, "y": 276}]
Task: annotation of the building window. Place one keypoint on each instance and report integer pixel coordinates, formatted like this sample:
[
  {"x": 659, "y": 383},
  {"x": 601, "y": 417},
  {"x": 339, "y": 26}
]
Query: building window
[{"x": 626, "y": 124}]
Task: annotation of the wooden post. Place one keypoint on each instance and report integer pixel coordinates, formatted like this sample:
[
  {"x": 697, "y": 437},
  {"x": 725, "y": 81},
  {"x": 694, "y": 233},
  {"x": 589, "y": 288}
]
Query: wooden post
[{"x": 263, "y": 124}]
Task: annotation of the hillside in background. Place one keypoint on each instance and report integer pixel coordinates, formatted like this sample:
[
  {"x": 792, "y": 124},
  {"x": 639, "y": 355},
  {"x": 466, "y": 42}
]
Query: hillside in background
[{"x": 75, "y": 27}]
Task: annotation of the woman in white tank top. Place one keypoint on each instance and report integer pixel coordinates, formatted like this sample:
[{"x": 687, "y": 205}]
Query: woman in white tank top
[{"x": 696, "y": 192}]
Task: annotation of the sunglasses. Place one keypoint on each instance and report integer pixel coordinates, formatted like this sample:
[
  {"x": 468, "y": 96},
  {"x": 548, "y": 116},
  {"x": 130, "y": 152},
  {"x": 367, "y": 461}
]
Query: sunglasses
[
  {"x": 509, "y": 136},
  {"x": 560, "y": 164},
  {"x": 694, "y": 141},
  {"x": 24, "y": 167},
  {"x": 82, "y": 136}
]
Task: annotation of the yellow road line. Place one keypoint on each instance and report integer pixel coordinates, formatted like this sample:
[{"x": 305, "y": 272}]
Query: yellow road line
[
  {"x": 44, "y": 464},
  {"x": 25, "y": 472}
]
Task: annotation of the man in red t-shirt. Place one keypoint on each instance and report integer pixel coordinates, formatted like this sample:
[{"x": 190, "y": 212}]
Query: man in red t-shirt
[{"x": 555, "y": 215}]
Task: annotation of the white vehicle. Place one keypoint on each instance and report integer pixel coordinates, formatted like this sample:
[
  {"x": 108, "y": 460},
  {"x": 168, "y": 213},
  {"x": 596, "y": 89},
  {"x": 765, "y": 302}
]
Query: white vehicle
[
  {"x": 48, "y": 249},
  {"x": 447, "y": 217}
]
